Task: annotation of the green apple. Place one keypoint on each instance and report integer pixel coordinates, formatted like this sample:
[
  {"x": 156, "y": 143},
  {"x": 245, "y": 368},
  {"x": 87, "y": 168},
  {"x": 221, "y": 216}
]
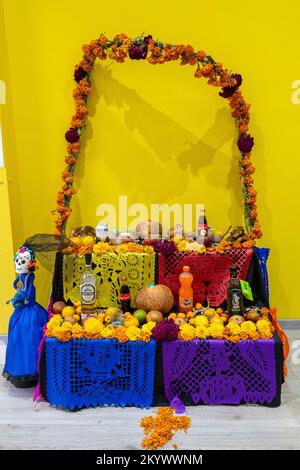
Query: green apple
[{"x": 140, "y": 315}]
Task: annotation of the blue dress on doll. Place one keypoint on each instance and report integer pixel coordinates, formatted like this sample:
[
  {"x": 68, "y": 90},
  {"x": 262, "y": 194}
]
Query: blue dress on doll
[{"x": 25, "y": 332}]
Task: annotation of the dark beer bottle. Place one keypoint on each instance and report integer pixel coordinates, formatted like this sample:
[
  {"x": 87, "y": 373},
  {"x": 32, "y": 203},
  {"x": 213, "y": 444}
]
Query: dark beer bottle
[{"x": 235, "y": 298}]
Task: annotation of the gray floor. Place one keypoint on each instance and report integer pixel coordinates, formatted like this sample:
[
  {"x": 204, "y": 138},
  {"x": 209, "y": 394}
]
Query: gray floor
[{"x": 25, "y": 426}]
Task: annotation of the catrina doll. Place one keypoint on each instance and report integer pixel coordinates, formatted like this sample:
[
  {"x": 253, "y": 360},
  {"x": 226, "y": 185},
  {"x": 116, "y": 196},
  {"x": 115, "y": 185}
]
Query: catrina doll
[{"x": 25, "y": 326}]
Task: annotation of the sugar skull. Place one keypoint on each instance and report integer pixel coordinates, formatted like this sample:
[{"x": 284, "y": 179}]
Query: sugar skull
[{"x": 24, "y": 260}]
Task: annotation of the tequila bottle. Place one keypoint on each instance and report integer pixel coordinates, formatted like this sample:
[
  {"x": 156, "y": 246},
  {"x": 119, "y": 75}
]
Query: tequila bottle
[{"x": 88, "y": 292}]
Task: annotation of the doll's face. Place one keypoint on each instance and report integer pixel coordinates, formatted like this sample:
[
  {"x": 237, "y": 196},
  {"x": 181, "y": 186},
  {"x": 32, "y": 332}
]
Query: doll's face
[{"x": 22, "y": 262}]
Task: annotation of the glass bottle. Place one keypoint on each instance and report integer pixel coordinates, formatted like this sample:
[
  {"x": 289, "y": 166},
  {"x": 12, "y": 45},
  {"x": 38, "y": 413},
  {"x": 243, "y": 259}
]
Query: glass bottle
[
  {"x": 202, "y": 226},
  {"x": 125, "y": 296},
  {"x": 88, "y": 291},
  {"x": 186, "y": 290},
  {"x": 235, "y": 298}
]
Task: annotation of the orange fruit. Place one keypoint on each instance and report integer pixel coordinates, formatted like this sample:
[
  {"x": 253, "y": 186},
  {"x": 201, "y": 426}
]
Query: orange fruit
[
  {"x": 172, "y": 316},
  {"x": 131, "y": 322},
  {"x": 190, "y": 314},
  {"x": 68, "y": 312},
  {"x": 154, "y": 315}
]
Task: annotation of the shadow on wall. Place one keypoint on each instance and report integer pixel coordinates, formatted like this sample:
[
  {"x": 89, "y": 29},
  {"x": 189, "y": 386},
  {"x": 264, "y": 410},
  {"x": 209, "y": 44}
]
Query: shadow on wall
[
  {"x": 170, "y": 149},
  {"x": 162, "y": 147},
  {"x": 274, "y": 262}
]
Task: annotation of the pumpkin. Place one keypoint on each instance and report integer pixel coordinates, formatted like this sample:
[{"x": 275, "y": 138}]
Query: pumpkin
[
  {"x": 236, "y": 319},
  {"x": 155, "y": 297},
  {"x": 58, "y": 307},
  {"x": 154, "y": 315}
]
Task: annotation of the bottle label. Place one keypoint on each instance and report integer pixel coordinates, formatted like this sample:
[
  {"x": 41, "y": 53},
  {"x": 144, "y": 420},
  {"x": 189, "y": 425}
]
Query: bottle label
[
  {"x": 235, "y": 296},
  {"x": 186, "y": 302},
  {"x": 87, "y": 293},
  {"x": 125, "y": 296}
]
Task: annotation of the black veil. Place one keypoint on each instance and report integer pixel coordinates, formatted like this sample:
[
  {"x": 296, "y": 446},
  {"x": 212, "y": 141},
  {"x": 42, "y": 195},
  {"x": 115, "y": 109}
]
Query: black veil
[{"x": 45, "y": 246}]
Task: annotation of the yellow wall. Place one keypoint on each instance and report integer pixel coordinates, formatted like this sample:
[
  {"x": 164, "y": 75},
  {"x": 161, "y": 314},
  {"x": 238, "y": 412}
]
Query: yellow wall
[
  {"x": 150, "y": 122},
  {"x": 11, "y": 218}
]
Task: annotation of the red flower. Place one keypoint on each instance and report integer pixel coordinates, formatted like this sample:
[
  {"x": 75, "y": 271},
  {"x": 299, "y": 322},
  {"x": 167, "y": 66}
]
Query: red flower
[{"x": 72, "y": 135}]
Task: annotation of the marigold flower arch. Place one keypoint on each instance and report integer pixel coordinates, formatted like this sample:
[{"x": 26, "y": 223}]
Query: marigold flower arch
[{"x": 157, "y": 52}]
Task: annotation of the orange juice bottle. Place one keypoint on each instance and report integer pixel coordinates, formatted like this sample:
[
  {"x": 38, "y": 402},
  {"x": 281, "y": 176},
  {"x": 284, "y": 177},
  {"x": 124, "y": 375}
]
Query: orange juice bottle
[{"x": 186, "y": 290}]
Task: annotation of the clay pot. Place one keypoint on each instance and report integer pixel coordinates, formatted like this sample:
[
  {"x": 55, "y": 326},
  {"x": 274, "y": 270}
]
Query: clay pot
[{"x": 236, "y": 319}]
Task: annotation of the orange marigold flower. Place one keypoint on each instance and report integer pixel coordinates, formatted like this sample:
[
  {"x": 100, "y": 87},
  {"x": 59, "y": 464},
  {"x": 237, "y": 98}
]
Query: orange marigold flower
[
  {"x": 243, "y": 336},
  {"x": 145, "y": 336},
  {"x": 86, "y": 65},
  {"x": 70, "y": 160},
  {"x": 69, "y": 179},
  {"x": 77, "y": 122},
  {"x": 207, "y": 69},
  {"x": 81, "y": 111},
  {"x": 201, "y": 55},
  {"x": 160, "y": 429},
  {"x": 156, "y": 51},
  {"x": 234, "y": 338},
  {"x": 60, "y": 197},
  {"x": 248, "y": 180},
  {"x": 248, "y": 244},
  {"x": 70, "y": 192},
  {"x": 265, "y": 311},
  {"x": 198, "y": 73},
  {"x": 103, "y": 40},
  {"x": 74, "y": 148},
  {"x": 237, "y": 245},
  {"x": 254, "y": 336}
]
